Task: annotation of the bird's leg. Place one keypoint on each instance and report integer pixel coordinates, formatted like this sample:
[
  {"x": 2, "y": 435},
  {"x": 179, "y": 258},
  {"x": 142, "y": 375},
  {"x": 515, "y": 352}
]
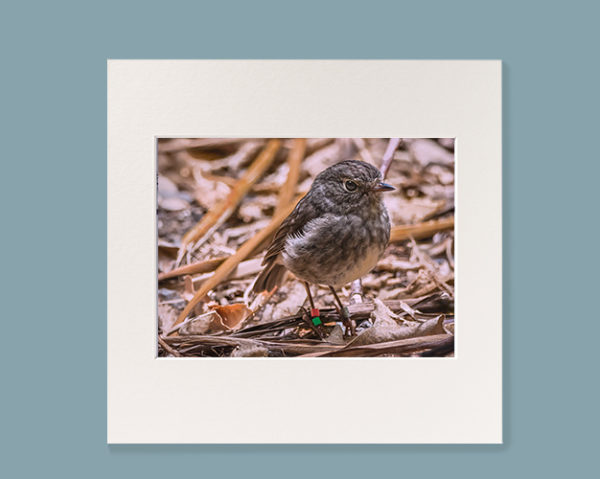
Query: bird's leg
[
  {"x": 344, "y": 313},
  {"x": 310, "y": 298},
  {"x": 314, "y": 320}
]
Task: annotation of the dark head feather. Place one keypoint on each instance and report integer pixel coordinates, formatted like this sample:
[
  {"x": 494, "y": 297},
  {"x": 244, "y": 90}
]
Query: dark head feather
[{"x": 347, "y": 188}]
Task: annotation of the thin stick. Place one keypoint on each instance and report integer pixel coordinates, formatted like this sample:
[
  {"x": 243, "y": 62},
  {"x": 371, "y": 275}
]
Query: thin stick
[
  {"x": 393, "y": 145},
  {"x": 168, "y": 348},
  {"x": 231, "y": 263},
  {"x": 428, "y": 263},
  {"x": 246, "y": 268},
  {"x": 204, "y": 341},
  {"x": 221, "y": 211},
  {"x": 286, "y": 193},
  {"x": 420, "y": 230},
  {"x": 204, "y": 266},
  {"x": 400, "y": 346}
]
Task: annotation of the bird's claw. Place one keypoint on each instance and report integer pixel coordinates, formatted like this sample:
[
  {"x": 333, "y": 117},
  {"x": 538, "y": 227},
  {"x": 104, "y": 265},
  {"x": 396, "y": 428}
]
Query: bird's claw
[
  {"x": 347, "y": 321},
  {"x": 314, "y": 322}
]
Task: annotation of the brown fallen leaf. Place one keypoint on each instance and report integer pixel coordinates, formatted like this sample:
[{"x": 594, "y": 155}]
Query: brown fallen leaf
[
  {"x": 220, "y": 318},
  {"x": 386, "y": 328},
  {"x": 233, "y": 315}
]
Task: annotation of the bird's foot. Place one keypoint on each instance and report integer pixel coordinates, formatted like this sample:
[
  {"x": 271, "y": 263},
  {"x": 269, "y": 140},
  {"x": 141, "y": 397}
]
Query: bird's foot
[
  {"x": 344, "y": 314},
  {"x": 347, "y": 321},
  {"x": 314, "y": 321}
]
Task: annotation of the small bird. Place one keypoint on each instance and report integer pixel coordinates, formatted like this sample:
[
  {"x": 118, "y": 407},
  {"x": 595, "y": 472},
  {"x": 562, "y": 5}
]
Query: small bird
[{"x": 336, "y": 233}]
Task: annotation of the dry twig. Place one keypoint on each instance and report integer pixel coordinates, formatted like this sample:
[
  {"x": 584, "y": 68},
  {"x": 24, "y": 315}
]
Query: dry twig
[
  {"x": 216, "y": 216},
  {"x": 204, "y": 266},
  {"x": 168, "y": 348},
  {"x": 230, "y": 263},
  {"x": 389, "y": 155},
  {"x": 286, "y": 194},
  {"x": 420, "y": 230}
]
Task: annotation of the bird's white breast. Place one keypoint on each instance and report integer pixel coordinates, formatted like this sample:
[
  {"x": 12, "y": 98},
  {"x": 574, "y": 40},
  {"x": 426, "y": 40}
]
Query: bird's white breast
[
  {"x": 342, "y": 270},
  {"x": 357, "y": 269}
]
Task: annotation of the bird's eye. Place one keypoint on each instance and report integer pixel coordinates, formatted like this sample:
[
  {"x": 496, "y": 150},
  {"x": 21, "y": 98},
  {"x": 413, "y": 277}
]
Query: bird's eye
[{"x": 350, "y": 185}]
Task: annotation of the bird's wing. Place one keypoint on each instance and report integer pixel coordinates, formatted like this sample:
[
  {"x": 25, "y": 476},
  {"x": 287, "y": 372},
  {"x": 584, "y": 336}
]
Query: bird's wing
[{"x": 292, "y": 225}]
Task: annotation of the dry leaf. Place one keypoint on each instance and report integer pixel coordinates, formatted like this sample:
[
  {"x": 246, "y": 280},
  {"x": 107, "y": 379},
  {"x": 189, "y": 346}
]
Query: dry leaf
[
  {"x": 167, "y": 315},
  {"x": 336, "y": 336},
  {"x": 221, "y": 318},
  {"x": 385, "y": 328},
  {"x": 208, "y": 193},
  {"x": 232, "y": 315},
  {"x": 200, "y": 324},
  {"x": 286, "y": 301}
]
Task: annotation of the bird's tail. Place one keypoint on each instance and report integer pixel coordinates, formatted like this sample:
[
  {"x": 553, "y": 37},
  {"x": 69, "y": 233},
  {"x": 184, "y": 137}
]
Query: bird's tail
[{"x": 272, "y": 275}]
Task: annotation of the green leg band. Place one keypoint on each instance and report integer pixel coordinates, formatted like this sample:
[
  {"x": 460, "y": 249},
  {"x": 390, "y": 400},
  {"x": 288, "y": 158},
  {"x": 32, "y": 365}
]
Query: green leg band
[{"x": 316, "y": 321}]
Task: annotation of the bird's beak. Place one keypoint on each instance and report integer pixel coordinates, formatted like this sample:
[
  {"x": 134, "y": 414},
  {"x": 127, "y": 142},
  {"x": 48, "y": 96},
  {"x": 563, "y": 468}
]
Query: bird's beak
[{"x": 382, "y": 187}]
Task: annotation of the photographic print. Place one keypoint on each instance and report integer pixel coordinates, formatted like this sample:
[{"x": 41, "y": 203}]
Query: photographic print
[
  {"x": 268, "y": 240},
  {"x": 305, "y": 247}
]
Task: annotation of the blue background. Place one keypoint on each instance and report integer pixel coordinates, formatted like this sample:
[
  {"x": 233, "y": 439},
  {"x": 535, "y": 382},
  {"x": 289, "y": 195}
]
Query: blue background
[{"x": 53, "y": 200}]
